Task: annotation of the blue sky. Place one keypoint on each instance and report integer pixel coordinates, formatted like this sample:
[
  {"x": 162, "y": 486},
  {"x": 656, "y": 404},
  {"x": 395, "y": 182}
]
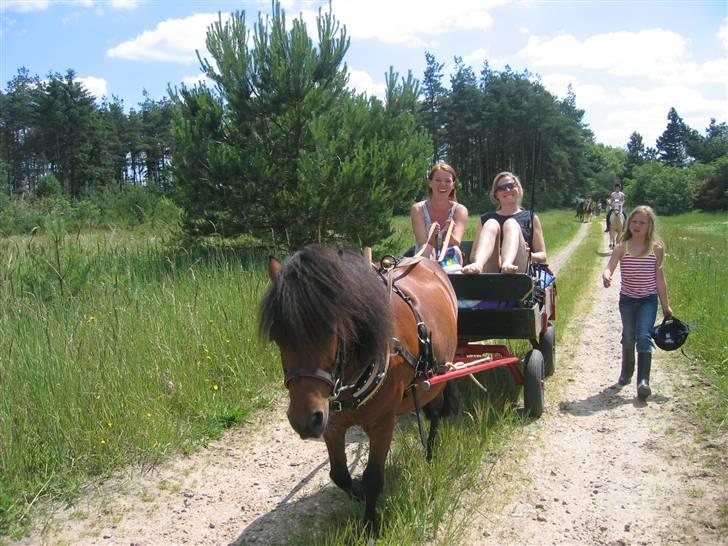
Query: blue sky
[{"x": 628, "y": 62}]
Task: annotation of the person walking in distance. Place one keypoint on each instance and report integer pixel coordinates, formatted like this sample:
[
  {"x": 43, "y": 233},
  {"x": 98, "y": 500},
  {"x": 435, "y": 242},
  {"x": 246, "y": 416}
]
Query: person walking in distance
[{"x": 640, "y": 255}]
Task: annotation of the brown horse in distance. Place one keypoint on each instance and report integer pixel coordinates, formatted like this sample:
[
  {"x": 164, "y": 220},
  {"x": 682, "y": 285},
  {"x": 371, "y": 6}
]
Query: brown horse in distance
[{"x": 347, "y": 345}]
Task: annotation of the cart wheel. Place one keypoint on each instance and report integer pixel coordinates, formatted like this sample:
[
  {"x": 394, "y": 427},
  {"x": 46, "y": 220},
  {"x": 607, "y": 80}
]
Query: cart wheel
[
  {"x": 547, "y": 346},
  {"x": 533, "y": 378}
]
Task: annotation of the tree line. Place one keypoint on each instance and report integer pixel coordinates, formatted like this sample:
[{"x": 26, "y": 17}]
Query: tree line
[{"x": 281, "y": 150}]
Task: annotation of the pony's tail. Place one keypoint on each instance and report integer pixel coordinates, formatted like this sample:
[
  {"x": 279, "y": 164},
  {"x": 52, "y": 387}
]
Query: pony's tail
[{"x": 451, "y": 400}]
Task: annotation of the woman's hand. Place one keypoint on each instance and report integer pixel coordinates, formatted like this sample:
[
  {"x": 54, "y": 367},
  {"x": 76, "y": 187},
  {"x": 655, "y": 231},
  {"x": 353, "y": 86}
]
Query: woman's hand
[
  {"x": 667, "y": 312},
  {"x": 607, "y": 279}
]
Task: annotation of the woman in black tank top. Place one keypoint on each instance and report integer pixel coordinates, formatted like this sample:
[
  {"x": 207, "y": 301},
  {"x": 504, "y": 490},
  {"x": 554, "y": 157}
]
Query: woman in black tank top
[{"x": 502, "y": 242}]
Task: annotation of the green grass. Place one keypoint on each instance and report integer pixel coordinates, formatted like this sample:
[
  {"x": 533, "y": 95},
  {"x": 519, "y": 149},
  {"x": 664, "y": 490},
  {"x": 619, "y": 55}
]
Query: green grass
[
  {"x": 695, "y": 268},
  {"x": 115, "y": 355},
  {"x": 120, "y": 351}
]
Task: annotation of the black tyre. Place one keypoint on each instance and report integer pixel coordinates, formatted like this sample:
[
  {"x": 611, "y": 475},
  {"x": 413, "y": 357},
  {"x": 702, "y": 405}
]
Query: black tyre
[
  {"x": 547, "y": 346},
  {"x": 533, "y": 379}
]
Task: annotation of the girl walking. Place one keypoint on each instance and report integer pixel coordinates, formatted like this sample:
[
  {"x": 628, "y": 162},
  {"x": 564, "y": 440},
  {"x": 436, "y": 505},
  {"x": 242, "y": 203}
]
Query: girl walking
[{"x": 640, "y": 256}]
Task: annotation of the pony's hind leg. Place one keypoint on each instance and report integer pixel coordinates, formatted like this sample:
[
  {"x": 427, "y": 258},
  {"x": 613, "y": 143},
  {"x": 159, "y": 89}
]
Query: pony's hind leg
[
  {"x": 446, "y": 404},
  {"x": 339, "y": 471}
]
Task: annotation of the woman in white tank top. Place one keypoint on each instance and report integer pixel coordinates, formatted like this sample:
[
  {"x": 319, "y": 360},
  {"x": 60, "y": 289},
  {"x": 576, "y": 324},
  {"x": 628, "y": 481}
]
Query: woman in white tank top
[{"x": 440, "y": 207}]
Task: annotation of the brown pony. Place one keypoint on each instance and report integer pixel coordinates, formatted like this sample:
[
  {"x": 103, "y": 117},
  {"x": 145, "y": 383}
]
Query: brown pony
[{"x": 352, "y": 349}]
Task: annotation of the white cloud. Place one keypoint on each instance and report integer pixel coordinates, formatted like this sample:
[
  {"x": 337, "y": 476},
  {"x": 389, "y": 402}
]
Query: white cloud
[
  {"x": 654, "y": 53},
  {"x": 172, "y": 40},
  {"x": 199, "y": 78},
  {"x": 586, "y": 94},
  {"x": 363, "y": 83},
  {"x": 722, "y": 34},
  {"x": 96, "y": 86},
  {"x": 125, "y": 4},
  {"x": 410, "y": 22},
  {"x": 25, "y": 6},
  {"x": 475, "y": 58}
]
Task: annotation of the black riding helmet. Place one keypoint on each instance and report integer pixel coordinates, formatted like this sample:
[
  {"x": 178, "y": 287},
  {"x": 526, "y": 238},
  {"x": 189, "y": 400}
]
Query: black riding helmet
[{"x": 671, "y": 334}]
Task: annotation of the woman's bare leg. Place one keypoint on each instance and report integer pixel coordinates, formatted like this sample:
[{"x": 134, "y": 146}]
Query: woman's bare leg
[
  {"x": 515, "y": 255},
  {"x": 485, "y": 256}
]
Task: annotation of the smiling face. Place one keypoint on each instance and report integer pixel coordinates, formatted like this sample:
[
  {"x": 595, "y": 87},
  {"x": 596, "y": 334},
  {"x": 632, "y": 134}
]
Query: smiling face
[
  {"x": 506, "y": 189},
  {"x": 441, "y": 183}
]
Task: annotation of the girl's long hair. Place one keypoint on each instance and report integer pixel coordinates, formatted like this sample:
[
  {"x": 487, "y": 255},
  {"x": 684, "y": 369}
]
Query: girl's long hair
[{"x": 652, "y": 238}]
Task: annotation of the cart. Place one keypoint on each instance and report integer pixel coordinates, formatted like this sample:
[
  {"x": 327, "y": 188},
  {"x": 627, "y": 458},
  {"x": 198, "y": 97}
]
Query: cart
[{"x": 494, "y": 306}]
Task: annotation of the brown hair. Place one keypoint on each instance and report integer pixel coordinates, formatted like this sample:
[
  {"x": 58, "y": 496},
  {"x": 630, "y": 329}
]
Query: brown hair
[{"x": 448, "y": 169}]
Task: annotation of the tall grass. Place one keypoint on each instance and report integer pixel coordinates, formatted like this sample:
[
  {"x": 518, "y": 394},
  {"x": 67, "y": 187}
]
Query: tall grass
[
  {"x": 113, "y": 355},
  {"x": 119, "y": 350},
  {"x": 695, "y": 267}
]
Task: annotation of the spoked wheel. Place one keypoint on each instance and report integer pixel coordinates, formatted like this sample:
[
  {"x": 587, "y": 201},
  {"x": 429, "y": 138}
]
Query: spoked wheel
[
  {"x": 533, "y": 379},
  {"x": 547, "y": 346}
]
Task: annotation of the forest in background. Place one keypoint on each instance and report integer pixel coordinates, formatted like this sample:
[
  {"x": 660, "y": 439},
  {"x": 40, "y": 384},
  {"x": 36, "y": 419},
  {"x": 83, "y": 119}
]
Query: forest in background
[{"x": 280, "y": 150}]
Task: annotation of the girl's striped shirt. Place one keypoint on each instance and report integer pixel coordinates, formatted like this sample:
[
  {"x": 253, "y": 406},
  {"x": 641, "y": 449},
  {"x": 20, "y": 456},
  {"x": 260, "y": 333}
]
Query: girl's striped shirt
[{"x": 639, "y": 275}]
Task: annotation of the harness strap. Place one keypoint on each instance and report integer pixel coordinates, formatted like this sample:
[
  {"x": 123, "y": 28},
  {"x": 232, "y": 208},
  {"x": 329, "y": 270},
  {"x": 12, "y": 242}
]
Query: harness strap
[{"x": 316, "y": 373}]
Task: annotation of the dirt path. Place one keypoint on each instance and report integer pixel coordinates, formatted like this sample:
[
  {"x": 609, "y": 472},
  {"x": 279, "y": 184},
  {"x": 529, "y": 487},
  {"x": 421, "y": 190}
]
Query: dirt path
[{"x": 607, "y": 470}]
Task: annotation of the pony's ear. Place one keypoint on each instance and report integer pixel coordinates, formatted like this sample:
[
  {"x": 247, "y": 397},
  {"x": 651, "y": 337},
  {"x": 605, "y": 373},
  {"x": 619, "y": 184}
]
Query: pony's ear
[{"x": 274, "y": 268}]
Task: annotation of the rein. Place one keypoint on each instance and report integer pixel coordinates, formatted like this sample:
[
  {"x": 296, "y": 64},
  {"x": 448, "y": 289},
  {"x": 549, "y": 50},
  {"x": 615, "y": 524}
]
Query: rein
[{"x": 368, "y": 382}]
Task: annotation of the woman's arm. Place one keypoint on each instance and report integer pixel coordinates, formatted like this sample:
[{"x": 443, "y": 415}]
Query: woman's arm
[
  {"x": 538, "y": 248},
  {"x": 461, "y": 224},
  {"x": 661, "y": 283},
  {"x": 617, "y": 254},
  {"x": 418, "y": 225}
]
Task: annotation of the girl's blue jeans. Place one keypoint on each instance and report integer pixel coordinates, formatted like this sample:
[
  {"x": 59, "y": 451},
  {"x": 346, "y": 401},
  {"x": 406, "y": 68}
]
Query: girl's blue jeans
[{"x": 638, "y": 319}]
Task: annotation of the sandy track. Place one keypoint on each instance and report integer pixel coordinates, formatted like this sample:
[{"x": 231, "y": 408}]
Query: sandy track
[{"x": 601, "y": 468}]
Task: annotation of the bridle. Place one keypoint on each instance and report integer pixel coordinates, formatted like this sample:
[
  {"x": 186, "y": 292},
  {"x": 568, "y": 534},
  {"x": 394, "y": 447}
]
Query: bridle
[
  {"x": 363, "y": 388},
  {"x": 371, "y": 377}
]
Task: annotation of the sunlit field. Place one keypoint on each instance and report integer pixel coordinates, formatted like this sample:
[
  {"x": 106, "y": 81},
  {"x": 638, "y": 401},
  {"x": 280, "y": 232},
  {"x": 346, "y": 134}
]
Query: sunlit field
[
  {"x": 119, "y": 350},
  {"x": 697, "y": 258}
]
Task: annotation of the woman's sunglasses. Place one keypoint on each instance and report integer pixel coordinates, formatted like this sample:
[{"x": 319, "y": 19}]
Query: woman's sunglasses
[{"x": 506, "y": 187}]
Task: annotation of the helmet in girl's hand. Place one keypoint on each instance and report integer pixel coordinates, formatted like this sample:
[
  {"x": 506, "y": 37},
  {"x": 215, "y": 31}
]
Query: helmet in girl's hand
[{"x": 671, "y": 334}]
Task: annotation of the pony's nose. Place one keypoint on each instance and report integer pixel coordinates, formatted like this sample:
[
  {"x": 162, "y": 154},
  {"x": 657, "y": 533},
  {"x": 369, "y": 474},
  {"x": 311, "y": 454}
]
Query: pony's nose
[{"x": 311, "y": 426}]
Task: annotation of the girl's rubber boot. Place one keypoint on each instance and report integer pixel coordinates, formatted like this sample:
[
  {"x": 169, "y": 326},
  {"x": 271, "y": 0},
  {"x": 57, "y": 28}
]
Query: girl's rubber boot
[
  {"x": 625, "y": 376},
  {"x": 644, "y": 363}
]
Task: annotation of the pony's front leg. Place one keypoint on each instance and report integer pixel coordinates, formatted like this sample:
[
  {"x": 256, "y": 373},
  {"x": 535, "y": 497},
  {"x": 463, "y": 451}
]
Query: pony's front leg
[
  {"x": 380, "y": 439},
  {"x": 339, "y": 471}
]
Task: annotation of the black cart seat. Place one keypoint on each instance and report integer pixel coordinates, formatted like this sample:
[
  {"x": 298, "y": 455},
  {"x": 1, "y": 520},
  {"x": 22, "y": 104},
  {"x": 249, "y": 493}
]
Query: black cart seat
[{"x": 517, "y": 319}]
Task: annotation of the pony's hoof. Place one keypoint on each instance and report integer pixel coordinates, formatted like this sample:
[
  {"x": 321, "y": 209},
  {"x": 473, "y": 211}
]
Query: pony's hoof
[{"x": 357, "y": 490}]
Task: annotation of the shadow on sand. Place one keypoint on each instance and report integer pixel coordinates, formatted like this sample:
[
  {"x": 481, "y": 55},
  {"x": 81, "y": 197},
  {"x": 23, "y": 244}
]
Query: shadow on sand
[
  {"x": 608, "y": 398},
  {"x": 291, "y": 515}
]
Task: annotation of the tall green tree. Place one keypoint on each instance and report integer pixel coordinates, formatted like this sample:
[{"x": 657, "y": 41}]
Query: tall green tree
[
  {"x": 18, "y": 136},
  {"x": 635, "y": 154},
  {"x": 281, "y": 149},
  {"x": 672, "y": 145},
  {"x": 68, "y": 130},
  {"x": 431, "y": 113}
]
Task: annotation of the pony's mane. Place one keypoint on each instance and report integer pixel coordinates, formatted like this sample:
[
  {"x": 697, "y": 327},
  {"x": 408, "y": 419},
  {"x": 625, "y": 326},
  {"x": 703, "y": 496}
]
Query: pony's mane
[{"x": 321, "y": 291}]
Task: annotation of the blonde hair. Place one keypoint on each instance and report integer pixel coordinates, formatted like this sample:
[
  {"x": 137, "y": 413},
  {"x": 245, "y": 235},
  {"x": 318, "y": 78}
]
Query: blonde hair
[
  {"x": 448, "y": 169},
  {"x": 652, "y": 239},
  {"x": 498, "y": 178}
]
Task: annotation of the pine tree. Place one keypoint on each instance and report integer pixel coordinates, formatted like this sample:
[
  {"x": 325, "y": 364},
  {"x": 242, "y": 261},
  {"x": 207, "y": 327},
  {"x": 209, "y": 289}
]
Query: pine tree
[
  {"x": 431, "y": 112},
  {"x": 281, "y": 149},
  {"x": 672, "y": 145},
  {"x": 635, "y": 154}
]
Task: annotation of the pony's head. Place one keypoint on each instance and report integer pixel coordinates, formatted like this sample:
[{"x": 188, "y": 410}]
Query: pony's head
[{"x": 328, "y": 313}]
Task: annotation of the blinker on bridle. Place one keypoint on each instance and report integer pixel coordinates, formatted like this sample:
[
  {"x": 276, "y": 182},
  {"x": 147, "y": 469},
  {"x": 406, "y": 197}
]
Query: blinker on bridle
[{"x": 333, "y": 378}]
